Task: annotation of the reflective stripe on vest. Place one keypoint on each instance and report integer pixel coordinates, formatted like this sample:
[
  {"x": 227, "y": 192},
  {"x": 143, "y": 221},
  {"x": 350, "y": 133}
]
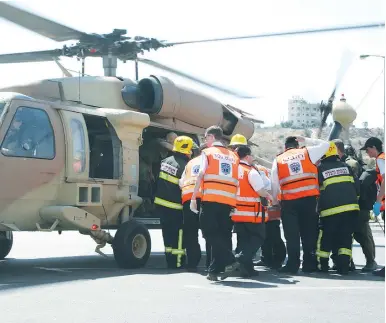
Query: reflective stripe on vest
[
  {"x": 339, "y": 209},
  {"x": 379, "y": 179},
  {"x": 170, "y": 205},
  {"x": 190, "y": 178},
  {"x": 248, "y": 205},
  {"x": 221, "y": 177},
  {"x": 298, "y": 176},
  {"x": 336, "y": 180},
  {"x": 168, "y": 177}
]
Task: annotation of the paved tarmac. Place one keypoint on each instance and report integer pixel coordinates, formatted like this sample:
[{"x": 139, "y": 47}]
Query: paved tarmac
[{"x": 58, "y": 278}]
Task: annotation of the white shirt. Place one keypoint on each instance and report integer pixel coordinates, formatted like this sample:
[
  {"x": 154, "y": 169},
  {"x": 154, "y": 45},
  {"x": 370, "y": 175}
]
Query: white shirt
[
  {"x": 381, "y": 165},
  {"x": 315, "y": 152},
  {"x": 254, "y": 177},
  {"x": 266, "y": 180}
]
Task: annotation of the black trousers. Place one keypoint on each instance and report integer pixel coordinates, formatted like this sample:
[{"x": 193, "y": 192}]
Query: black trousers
[
  {"x": 172, "y": 233},
  {"x": 250, "y": 238},
  {"x": 190, "y": 240},
  {"x": 363, "y": 235},
  {"x": 336, "y": 230},
  {"x": 300, "y": 221},
  {"x": 273, "y": 250},
  {"x": 216, "y": 226}
]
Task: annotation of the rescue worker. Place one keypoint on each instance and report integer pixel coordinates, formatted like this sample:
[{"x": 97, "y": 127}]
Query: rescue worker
[
  {"x": 218, "y": 177},
  {"x": 294, "y": 179},
  {"x": 168, "y": 201},
  {"x": 338, "y": 208},
  {"x": 239, "y": 140},
  {"x": 374, "y": 148},
  {"x": 349, "y": 160},
  {"x": 249, "y": 216},
  {"x": 191, "y": 220},
  {"x": 362, "y": 231}
]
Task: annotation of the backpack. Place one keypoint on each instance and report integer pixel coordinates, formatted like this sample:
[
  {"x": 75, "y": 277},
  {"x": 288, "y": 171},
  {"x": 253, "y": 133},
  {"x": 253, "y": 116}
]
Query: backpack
[{"x": 368, "y": 189}]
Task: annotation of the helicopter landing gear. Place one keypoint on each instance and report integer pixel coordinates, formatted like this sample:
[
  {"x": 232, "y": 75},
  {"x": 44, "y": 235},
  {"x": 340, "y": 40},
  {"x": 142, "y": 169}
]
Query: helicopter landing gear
[
  {"x": 6, "y": 242},
  {"x": 131, "y": 245}
]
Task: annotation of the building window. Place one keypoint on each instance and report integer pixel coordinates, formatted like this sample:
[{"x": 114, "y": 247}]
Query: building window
[
  {"x": 78, "y": 146},
  {"x": 30, "y": 135}
]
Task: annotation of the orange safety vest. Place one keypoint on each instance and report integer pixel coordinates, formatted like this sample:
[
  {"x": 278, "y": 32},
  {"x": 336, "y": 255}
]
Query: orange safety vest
[
  {"x": 298, "y": 176},
  {"x": 380, "y": 179},
  {"x": 190, "y": 178},
  {"x": 248, "y": 206},
  {"x": 221, "y": 177}
]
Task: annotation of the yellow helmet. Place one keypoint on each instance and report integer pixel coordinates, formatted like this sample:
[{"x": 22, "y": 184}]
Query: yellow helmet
[
  {"x": 183, "y": 145},
  {"x": 332, "y": 150},
  {"x": 238, "y": 140}
]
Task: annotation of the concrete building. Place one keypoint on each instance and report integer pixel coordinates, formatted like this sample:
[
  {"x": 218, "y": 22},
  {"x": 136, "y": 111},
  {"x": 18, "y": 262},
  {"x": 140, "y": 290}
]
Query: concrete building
[{"x": 303, "y": 114}]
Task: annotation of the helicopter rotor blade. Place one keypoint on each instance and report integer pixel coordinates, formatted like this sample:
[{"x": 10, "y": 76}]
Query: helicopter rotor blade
[
  {"x": 197, "y": 80},
  {"x": 286, "y": 33},
  {"x": 326, "y": 108},
  {"x": 39, "y": 56},
  {"x": 38, "y": 24}
]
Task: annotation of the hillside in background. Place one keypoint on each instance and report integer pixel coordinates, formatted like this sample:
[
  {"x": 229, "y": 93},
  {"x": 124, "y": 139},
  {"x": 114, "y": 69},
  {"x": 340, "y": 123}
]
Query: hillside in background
[{"x": 271, "y": 140}]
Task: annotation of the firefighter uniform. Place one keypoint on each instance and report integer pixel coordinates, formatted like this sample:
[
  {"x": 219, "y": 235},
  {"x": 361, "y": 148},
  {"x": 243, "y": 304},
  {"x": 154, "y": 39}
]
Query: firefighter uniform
[
  {"x": 338, "y": 208},
  {"x": 249, "y": 217},
  {"x": 219, "y": 188},
  {"x": 295, "y": 173},
  {"x": 191, "y": 220},
  {"x": 168, "y": 202}
]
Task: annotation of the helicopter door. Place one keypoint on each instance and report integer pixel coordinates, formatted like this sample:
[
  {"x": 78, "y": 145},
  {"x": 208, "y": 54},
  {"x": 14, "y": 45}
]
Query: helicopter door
[
  {"x": 32, "y": 154},
  {"x": 77, "y": 147}
]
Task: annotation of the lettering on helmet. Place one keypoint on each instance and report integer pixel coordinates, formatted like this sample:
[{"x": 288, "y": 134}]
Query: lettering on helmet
[
  {"x": 169, "y": 169},
  {"x": 335, "y": 172},
  {"x": 222, "y": 157}
]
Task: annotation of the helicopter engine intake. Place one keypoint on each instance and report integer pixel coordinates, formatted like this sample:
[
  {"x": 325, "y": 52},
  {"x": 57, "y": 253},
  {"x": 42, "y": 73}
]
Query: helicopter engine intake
[{"x": 160, "y": 96}]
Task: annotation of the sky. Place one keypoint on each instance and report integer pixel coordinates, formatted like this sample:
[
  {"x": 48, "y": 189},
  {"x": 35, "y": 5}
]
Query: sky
[{"x": 273, "y": 69}]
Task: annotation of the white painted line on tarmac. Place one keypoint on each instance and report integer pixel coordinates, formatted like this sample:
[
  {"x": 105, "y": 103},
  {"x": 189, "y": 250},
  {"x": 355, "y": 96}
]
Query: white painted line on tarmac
[
  {"x": 279, "y": 289},
  {"x": 54, "y": 269}
]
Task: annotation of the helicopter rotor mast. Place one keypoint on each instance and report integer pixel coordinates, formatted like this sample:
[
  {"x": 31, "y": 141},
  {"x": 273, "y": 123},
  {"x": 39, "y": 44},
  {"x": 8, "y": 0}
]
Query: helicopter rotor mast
[{"x": 113, "y": 46}]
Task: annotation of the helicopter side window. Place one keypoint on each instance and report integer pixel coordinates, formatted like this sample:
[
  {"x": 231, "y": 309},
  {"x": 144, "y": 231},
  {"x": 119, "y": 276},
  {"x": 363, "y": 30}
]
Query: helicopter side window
[
  {"x": 29, "y": 135},
  {"x": 78, "y": 146}
]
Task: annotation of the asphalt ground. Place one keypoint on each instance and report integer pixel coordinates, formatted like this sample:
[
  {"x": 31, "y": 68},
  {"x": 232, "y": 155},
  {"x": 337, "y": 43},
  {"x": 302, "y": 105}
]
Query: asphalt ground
[{"x": 59, "y": 278}]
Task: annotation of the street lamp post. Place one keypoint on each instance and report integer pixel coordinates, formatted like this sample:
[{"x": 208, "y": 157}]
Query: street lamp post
[{"x": 384, "y": 87}]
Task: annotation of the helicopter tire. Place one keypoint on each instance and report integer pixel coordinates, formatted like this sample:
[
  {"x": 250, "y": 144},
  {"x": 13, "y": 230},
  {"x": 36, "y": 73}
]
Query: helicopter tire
[
  {"x": 131, "y": 245},
  {"x": 6, "y": 242}
]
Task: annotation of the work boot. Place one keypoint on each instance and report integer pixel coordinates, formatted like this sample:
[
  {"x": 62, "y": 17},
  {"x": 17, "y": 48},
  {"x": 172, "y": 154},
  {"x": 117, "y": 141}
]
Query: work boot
[
  {"x": 379, "y": 272},
  {"x": 343, "y": 271},
  {"x": 259, "y": 263},
  {"x": 212, "y": 277},
  {"x": 229, "y": 270},
  {"x": 370, "y": 266}
]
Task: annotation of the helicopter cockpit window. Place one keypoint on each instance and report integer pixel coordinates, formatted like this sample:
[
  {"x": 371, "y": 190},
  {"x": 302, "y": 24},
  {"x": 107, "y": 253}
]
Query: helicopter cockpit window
[
  {"x": 78, "y": 146},
  {"x": 29, "y": 135}
]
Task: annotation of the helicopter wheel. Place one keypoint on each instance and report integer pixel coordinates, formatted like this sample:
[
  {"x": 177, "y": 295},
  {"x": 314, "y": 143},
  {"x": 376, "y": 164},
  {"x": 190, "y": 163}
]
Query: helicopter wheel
[
  {"x": 6, "y": 242},
  {"x": 131, "y": 245}
]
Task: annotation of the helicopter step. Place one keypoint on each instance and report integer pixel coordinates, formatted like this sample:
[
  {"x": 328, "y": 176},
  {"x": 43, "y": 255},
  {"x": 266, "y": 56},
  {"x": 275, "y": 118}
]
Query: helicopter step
[{"x": 68, "y": 217}]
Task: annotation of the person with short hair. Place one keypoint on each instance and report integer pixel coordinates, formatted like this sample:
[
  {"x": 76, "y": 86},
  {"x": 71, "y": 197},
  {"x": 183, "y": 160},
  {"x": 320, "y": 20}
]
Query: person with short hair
[
  {"x": 374, "y": 148},
  {"x": 218, "y": 181}
]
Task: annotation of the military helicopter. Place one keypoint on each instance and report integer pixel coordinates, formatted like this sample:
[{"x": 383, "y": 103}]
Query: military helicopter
[{"x": 78, "y": 144}]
